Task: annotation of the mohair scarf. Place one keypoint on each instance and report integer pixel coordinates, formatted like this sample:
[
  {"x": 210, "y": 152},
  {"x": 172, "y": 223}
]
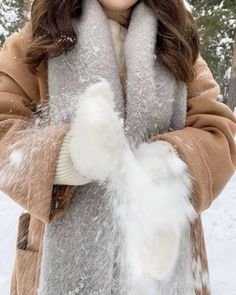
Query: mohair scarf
[{"x": 80, "y": 248}]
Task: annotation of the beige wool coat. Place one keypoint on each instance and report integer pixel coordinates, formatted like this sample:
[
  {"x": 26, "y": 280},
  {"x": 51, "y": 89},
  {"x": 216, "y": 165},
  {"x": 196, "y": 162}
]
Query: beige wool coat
[{"x": 206, "y": 144}]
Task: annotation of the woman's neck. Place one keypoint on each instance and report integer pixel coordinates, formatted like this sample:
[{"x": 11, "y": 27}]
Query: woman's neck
[{"x": 122, "y": 16}]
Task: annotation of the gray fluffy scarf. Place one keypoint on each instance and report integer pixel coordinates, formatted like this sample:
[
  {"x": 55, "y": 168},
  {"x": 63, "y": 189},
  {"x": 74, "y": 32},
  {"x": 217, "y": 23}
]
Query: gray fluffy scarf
[{"x": 80, "y": 248}]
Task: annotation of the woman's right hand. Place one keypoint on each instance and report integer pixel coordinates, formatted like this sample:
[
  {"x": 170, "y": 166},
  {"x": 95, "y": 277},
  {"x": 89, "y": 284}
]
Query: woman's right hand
[{"x": 96, "y": 136}]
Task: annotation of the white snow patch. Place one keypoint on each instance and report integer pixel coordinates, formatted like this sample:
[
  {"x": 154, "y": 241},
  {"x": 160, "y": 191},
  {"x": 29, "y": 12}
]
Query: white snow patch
[
  {"x": 9, "y": 214},
  {"x": 197, "y": 270},
  {"x": 205, "y": 280},
  {"x": 220, "y": 234},
  {"x": 3, "y": 177},
  {"x": 187, "y": 5},
  {"x": 16, "y": 158}
]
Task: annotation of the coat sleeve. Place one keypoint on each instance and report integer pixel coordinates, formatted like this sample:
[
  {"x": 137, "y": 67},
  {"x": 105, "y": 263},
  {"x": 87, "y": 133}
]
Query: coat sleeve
[
  {"x": 28, "y": 152},
  {"x": 207, "y": 143}
]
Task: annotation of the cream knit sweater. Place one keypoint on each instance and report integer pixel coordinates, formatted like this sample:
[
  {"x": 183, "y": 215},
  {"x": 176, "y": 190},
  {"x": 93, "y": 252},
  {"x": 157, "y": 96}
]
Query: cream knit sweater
[{"x": 65, "y": 171}]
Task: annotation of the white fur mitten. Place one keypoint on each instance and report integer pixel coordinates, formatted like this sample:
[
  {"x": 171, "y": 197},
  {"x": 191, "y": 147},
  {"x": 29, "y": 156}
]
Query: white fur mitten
[
  {"x": 96, "y": 133},
  {"x": 171, "y": 208}
]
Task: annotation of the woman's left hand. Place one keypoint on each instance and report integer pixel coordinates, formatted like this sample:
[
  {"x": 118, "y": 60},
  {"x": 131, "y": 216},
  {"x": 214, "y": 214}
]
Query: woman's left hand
[{"x": 170, "y": 206}]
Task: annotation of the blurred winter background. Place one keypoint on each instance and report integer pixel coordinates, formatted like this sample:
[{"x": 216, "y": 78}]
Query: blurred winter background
[{"x": 217, "y": 26}]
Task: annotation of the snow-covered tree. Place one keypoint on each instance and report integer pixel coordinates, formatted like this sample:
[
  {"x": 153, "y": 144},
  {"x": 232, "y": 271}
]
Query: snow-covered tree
[
  {"x": 217, "y": 25},
  {"x": 12, "y": 16},
  {"x": 231, "y": 98}
]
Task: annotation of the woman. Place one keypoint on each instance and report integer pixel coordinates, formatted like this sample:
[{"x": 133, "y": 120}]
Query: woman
[{"x": 63, "y": 142}]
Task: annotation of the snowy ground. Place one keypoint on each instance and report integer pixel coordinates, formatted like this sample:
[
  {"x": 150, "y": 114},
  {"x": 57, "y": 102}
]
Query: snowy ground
[{"x": 220, "y": 232}]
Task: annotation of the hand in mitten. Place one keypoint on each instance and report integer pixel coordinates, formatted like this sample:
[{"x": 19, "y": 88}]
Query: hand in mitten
[
  {"x": 91, "y": 149},
  {"x": 96, "y": 133},
  {"x": 168, "y": 204}
]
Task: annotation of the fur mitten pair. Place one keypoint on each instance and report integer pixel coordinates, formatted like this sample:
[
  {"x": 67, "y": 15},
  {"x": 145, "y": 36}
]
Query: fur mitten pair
[{"x": 152, "y": 183}]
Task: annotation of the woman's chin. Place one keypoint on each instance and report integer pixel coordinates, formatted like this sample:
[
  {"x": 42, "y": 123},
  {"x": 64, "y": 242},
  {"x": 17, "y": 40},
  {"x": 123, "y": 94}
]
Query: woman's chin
[{"x": 117, "y": 5}]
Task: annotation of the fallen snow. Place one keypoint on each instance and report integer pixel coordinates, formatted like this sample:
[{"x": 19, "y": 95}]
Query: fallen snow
[
  {"x": 9, "y": 213},
  {"x": 220, "y": 233}
]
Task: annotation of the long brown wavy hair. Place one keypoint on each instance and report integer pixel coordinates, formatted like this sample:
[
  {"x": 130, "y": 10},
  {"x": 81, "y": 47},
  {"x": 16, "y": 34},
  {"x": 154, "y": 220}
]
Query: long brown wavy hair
[{"x": 177, "y": 40}]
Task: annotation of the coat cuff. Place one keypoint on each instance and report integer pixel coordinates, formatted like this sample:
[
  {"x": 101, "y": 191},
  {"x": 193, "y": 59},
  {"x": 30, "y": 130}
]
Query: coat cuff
[
  {"x": 191, "y": 153},
  {"x": 66, "y": 174},
  {"x": 28, "y": 165}
]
